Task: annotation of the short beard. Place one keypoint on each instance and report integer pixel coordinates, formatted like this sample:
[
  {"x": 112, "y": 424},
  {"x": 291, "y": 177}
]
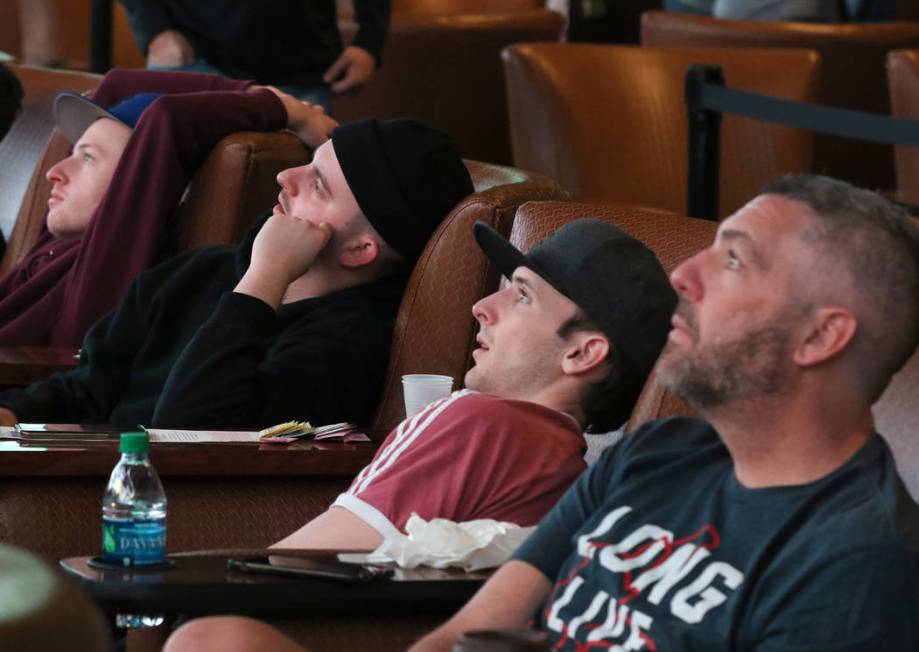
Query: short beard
[{"x": 755, "y": 364}]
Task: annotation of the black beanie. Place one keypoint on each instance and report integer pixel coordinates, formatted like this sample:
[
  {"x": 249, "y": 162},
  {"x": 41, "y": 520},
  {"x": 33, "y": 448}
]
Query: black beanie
[{"x": 405, "y": 175}]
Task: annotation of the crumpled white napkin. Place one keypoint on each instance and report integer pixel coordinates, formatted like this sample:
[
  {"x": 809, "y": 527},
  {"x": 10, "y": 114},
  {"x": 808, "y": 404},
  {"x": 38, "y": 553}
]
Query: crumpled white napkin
[{"x": 441, "y": 543}]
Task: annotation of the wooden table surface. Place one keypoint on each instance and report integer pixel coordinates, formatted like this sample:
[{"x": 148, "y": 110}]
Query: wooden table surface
[
  {"x": 199, "y": 584},
  {"x": 199, "y": 460}
]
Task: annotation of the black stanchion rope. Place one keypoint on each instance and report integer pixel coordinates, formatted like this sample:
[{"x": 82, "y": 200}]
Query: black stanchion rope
[{"x": 822, "y": 119}]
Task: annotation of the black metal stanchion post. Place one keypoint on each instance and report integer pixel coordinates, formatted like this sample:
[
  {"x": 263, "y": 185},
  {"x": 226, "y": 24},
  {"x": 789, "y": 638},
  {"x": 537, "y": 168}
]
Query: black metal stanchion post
[
  {"x": 100, "y": 57},
  {"x": 704, "y": 144}
]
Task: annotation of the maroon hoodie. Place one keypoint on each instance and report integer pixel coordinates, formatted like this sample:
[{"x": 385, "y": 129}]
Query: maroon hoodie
[{"x": 56, "y": 292}]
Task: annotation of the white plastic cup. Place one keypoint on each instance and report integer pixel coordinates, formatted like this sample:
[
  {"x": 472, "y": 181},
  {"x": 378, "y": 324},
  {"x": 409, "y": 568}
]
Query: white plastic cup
[{"x": 419, "y": 390}]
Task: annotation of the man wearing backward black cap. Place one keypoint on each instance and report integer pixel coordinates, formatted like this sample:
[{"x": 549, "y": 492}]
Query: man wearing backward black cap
[{"x": 294, "y": 323}]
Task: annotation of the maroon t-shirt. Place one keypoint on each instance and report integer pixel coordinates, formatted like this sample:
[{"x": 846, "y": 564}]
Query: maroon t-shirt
[{"x": 466, "y": 457}]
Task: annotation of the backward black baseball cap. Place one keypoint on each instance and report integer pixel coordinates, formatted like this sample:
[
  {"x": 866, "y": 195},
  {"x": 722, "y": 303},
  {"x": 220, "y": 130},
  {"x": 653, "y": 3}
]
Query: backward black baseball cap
[
  {"x": 615, "y": 279},
  {"x": 405, "y": 175}
]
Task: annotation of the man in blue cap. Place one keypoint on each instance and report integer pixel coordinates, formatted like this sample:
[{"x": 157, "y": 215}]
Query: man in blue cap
[{"x": 112, "y": 197}]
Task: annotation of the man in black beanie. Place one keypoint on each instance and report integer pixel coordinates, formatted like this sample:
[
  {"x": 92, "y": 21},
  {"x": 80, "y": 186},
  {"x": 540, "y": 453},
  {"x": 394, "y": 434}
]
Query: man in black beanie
[{"x": 293, "y": 323}]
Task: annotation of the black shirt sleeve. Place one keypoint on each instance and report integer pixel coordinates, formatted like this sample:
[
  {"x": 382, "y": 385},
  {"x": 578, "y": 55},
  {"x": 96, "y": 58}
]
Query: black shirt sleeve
[
  {"x": 372, "y": 17},
  {"x": 147, "y": 18}
]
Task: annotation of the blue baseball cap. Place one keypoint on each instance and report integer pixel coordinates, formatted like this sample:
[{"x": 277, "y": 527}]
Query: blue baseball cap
[{"x": 73, "y": 113}]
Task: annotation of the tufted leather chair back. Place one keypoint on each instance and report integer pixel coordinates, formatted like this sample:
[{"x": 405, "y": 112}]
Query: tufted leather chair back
[
  {"x": 672, "y": 237},
  {"x": 234, "y": 185},
  {"x": 903, "y": 82},
  {"x": 435, "y": 330},
  {"x": 851, "y": 75},
  {"x": 609, "y": 122},
  {"x": 446, "y": 70}
]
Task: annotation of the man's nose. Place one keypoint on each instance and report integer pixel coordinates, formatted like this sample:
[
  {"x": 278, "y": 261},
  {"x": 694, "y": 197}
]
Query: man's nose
[
  {"x": 55, "y": 173},
  {"x": 481, "y": 310},
  {"x": 685, "y": 279},
  {"x": 287, "y": 180}
]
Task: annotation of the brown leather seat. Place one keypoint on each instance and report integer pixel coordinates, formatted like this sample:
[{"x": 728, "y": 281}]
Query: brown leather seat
[
  {"x": 625, "y": 138},
  {"x": 435, "y": 330},
  {"x": 852, "y": 73},
  {"x": 903, "y": 81},
  {"x": 671, "y": 236},
  {"x": 446, "y": 70}
]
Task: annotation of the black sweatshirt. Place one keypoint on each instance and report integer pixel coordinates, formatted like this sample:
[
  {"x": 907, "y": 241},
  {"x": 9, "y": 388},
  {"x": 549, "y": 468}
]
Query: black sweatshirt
[
  {"x": 183, "y": 350},
  {"x": 273, "y": 41}
]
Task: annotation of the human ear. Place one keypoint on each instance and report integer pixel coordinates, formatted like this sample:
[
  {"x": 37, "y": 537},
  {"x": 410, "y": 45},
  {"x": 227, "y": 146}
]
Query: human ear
[
  {"x": 586, "y": 351},
  {"x": 359, "y": 251},
  {"x": 828, "y": 334}
]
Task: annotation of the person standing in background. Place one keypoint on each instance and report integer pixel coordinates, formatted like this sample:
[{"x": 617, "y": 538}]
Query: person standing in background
[{"x": 292, "y": 44}]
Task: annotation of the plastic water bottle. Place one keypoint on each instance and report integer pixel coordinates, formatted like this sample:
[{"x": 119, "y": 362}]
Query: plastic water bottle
[
  {"x": 134, "y": 508},
  {"x": 134, "y": 516}
]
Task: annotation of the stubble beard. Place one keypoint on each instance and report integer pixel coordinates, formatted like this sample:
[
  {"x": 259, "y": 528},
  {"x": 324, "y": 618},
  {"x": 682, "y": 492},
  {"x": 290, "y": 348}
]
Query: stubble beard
[{"x": 707, "y": 377}]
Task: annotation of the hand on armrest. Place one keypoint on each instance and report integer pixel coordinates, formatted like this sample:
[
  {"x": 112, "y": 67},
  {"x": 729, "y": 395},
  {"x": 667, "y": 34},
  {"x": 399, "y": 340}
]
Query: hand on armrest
[{"x": 309, "y": 121}]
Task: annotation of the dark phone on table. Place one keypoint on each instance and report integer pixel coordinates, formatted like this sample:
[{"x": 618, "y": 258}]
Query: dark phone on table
[{"x": 329, "y": 568}]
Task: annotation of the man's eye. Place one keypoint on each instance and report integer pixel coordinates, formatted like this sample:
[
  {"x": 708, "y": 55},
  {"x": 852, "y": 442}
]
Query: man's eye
[
  {"x": 733, "y": 262},
  {"x": 316, "y": 185},
  {"x": 88, "y": 158},
  {"x": 522, "y": 296}
]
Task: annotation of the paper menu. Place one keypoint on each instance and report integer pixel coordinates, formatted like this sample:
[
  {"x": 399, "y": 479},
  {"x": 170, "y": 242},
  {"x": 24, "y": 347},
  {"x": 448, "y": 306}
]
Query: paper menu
[{"x": 162, "y": 436}]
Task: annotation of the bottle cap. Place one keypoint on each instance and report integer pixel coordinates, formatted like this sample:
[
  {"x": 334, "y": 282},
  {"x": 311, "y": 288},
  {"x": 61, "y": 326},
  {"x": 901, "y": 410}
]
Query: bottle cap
[{"x": 134, "y": 442}]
